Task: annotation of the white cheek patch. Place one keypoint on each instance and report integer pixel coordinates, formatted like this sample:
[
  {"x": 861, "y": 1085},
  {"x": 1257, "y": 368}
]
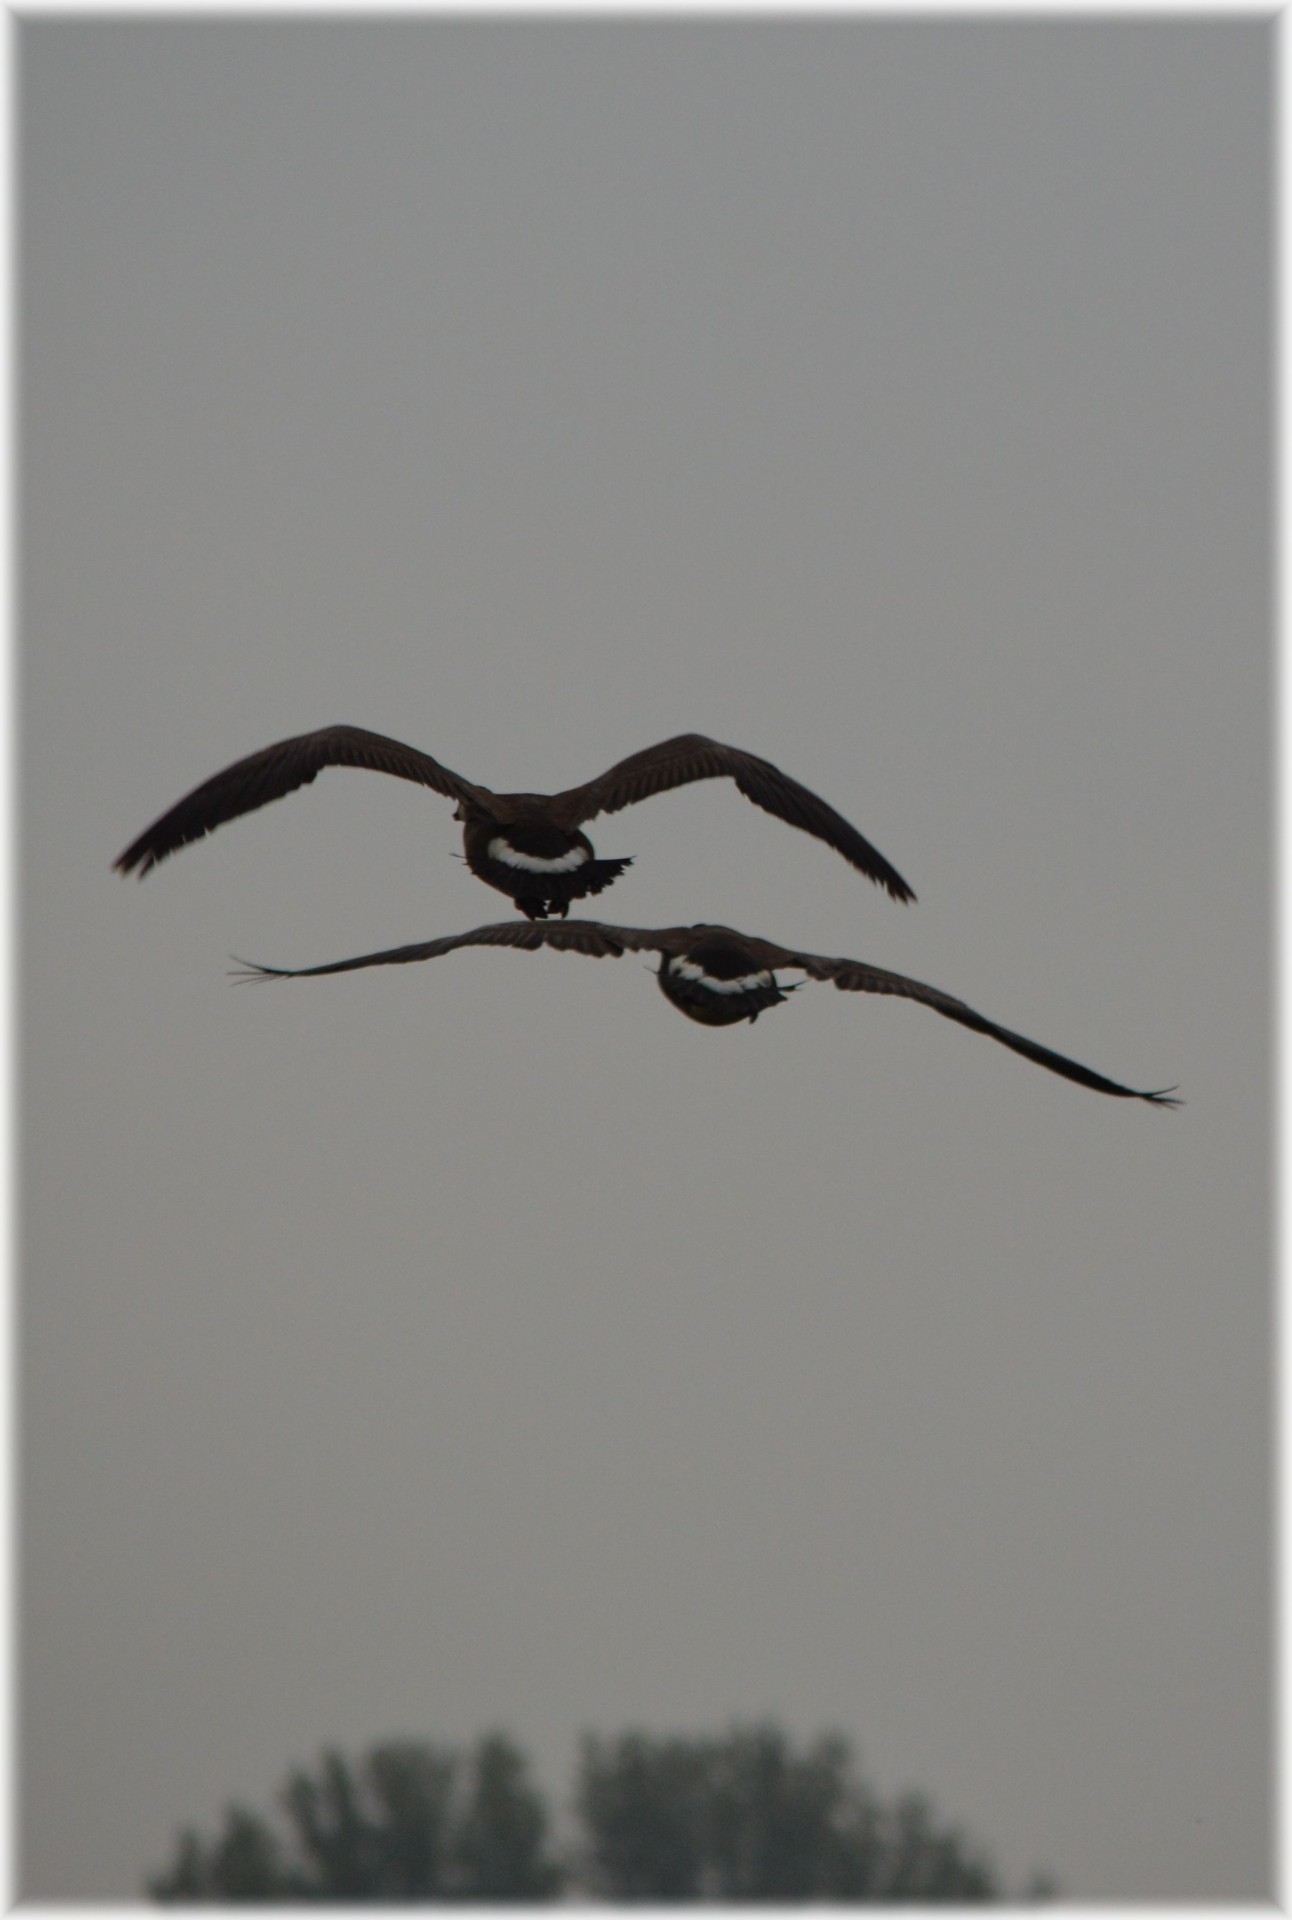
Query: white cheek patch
[
  {"x": 689, "y": 970},
  {"x": 499, "y": 849}
]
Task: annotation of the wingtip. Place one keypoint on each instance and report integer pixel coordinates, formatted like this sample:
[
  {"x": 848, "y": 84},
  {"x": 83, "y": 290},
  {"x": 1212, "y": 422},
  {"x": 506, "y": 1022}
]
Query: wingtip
[
  {"x": 894, "y": 885},
  {"x": 249, "y": 972}
]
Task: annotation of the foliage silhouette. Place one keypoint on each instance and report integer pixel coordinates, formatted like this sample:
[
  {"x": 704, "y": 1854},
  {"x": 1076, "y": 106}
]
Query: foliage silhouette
[
  {"x": 738, "y": 1817},
  {"x": 744, "y": 1818},
  {"x": 417, "y": 1824}
]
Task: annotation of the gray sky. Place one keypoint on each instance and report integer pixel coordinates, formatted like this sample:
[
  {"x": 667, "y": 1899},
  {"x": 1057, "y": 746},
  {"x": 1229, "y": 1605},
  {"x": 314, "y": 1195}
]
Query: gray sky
[{"x": 482, "y": 1343}]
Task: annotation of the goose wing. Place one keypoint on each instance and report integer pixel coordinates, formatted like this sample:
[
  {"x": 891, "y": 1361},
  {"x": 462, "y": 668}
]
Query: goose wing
[
  {"x": 854, "y": 976},
  {"x": 572, "y": 936},
  {"x": 675, "y": 763},
  {"x": 279, "y": 770}
]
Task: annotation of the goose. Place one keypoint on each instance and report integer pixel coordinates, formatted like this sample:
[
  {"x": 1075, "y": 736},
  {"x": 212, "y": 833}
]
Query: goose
[
  {"x": 527, "y": 845},
  {"x": 718, "y": 976}
]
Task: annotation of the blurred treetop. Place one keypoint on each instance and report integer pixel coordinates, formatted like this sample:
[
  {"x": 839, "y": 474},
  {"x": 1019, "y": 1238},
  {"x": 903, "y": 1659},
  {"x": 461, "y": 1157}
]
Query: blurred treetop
[{"x": 736, "y": 1817}]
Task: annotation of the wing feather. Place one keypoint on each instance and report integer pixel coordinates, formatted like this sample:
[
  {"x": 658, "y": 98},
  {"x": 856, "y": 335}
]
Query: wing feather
[
  {"x": 854, "y": 976},
  {"x": 692, "y": 756},
  {"x": 573, "y": 936},
  {"x": 279, "y": 770}
]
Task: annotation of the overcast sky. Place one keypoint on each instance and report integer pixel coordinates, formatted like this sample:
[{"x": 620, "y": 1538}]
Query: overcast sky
[{"x": 483, "y": 1343}]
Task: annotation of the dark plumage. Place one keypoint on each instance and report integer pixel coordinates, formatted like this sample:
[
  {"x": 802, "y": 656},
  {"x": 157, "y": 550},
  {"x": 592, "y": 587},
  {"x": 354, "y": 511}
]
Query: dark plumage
[
  {"x": 718, "y": 976},
  {"x": 527, "y": 845}
]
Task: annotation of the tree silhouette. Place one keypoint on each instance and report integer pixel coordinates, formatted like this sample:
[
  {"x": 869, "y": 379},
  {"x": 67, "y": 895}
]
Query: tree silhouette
[
  {"x": 499, "y": 1841},
  {"x": 418, "y": 1823},
  {"x": 642, "y": 1805},
  {"x": 744, "y": 1818},
  {"x": 243, "y": 1864},
  {"x": 738, "y": 1817},
  {"x": 412, "y": 1785}
]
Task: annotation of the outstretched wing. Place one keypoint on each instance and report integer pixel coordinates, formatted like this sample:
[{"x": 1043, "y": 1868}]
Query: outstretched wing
[
  {"x": 854, "y": 976},
  {"x": 675, "y": 763},
  {"x": 572, "y": 936},
  {"x": 278, "y": 770}
]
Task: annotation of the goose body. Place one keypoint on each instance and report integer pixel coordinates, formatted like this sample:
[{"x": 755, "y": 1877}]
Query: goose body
[
  {"x": 719, "y": 977},
  {"x": 528, "y": 845}
]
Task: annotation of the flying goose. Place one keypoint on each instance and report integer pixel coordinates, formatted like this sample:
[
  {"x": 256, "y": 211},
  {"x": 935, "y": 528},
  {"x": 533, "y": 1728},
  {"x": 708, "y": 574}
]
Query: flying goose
[
  {"x": 718, "y": 976},
  {"x": 527, "y": 845}
]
